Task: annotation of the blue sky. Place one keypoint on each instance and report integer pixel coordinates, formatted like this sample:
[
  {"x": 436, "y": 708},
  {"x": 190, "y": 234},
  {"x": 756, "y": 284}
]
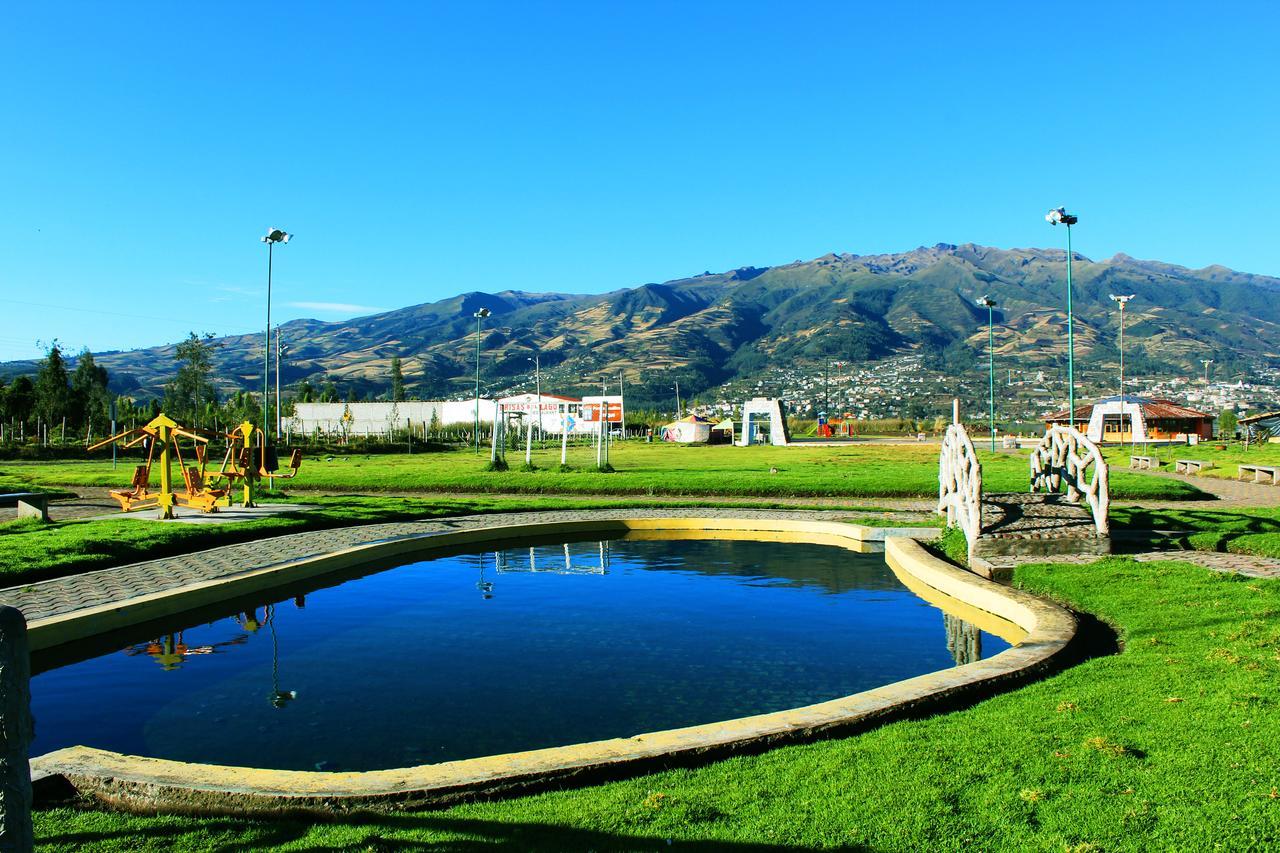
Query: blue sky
[{"x": 419, "y": 150}]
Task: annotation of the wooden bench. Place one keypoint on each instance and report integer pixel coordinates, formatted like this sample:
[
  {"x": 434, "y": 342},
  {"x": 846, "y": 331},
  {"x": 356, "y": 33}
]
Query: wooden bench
[
  {"x": 1191, "y": 466},
  {"x": 1143, "y": 463},
  {"x": 29, "y": 504},
  {"x": 1270, "y": 472}
]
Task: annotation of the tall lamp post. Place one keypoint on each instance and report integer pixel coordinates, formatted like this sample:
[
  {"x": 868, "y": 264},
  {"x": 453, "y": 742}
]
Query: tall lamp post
[
  {"x": 1057, "y": 216},
  {"x": 1122, "y": 301},
  {"x": 274, "y": 235},
  {"x": 990, "y": 304},
  {"x": 479, "y": 315},
  {"x": 537, "y": 382},
  {"x": 1206, "y": 362}
]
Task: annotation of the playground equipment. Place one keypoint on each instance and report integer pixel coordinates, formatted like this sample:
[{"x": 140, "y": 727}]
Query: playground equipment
[
  {"x": 249, "y": 459},
  {"x": 163, "y": 433}
]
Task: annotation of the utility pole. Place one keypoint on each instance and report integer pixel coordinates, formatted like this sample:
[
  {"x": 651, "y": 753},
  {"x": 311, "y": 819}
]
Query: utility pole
[
  {"x": 678, "y": 406},
  {"x": 622, "y": 406},
  {"x": 1206, "y": 362}
]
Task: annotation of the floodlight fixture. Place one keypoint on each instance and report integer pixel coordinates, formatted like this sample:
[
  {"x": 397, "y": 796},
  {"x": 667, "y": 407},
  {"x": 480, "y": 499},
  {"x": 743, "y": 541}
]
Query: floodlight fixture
[
  {"x": 275, "y": 235},
  {"x": 1122, "y": 300},
  {"x": 482, "y": 313},
  {"x": 987, "y": 302},
  {"x": 1059, "y": 215}
]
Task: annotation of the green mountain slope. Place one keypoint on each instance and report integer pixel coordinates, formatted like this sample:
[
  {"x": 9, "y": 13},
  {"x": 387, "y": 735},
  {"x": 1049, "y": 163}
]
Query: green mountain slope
[{"x": 712, "y": 328}]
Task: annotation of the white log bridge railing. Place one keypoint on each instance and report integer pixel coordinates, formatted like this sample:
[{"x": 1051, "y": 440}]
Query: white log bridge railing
[
  {"x": 1066, "y": 456},
  {"x": 960, "y": 484}
]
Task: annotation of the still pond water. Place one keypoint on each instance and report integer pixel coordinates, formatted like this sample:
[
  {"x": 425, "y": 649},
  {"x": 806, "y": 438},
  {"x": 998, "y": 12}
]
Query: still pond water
[{"x": 527, "y": 647}]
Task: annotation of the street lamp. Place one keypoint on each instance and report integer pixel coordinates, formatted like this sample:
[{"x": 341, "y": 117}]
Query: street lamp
[
  {"x": 990, "y": 304},
  {"x": 479, "y": 315},
  {"x": 1122, "y": 301},
  {"x": 537, "y": 380},
  {"x": 1054, "y": 217},
  {"x": 274, "y": 235},
  {"x": 1206, "y": 362}
]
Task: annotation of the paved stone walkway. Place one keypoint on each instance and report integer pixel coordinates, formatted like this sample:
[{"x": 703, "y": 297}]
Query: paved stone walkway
[
  {"x": 1241, "y": 564},
  {"x": 105, "y": 586}
]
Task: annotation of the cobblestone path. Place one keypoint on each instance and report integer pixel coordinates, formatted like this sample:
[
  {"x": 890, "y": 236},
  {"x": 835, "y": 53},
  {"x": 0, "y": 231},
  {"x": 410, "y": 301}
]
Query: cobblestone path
[{"x": 105, "y": 586}]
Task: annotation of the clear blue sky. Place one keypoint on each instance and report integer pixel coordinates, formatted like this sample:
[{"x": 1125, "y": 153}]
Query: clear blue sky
[{"x": 419, "y": 150}]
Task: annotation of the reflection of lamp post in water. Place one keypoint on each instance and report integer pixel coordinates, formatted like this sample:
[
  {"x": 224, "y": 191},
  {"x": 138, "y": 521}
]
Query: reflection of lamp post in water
[
  {"x": 485, "y": 587},
  {"x": 279, "y": 698}
]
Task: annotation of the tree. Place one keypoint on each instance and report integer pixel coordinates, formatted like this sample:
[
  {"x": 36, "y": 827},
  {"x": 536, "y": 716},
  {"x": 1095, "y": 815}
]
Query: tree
[
  {"x": 192, "y": 388},
  {"x": 1227, "y": 423},
  {"x": 52, "y": 395},
  {"x": 397, "y": 381},
  {"x": 20, "y": 399},
  {"x": 89, "y": 396}
]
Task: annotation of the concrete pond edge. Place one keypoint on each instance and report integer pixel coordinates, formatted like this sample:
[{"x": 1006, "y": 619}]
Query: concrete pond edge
[{"x": 1042, "y": 631}]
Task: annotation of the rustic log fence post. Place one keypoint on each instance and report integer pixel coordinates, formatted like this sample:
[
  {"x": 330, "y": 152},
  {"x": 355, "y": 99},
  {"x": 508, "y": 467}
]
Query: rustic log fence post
[{"x": 16, "y": 730}]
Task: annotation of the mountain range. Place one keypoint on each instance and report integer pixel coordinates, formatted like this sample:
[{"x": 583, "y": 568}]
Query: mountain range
[{"x": 713, "y": 328}]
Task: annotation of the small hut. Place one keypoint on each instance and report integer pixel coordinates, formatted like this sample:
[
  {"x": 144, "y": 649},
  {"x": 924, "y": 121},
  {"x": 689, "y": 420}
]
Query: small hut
[{"x": 687, "y": 430}]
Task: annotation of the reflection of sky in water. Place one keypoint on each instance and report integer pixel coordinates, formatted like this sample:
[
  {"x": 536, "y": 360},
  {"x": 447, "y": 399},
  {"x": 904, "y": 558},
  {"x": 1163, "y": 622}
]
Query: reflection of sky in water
[{"x": 484, "y": 653}]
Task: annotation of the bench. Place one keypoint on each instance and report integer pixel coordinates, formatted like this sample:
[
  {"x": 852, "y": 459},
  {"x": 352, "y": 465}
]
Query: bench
[
  {"x": 1143, "y": 463},
  {"x": 1270, "y": 472},
  {"x": 1191, "y": 466},
  {"x": 29, "y": 504}
]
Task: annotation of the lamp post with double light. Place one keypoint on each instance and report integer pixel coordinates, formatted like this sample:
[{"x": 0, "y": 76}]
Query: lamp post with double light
[
  {"x": 1122, "y": 301},
  {"x": 1059, "y": 216},
  {"x": 274, "y": 235},
  {"x": 990, "y": 304},
  {"x": 479, "y": 315}
]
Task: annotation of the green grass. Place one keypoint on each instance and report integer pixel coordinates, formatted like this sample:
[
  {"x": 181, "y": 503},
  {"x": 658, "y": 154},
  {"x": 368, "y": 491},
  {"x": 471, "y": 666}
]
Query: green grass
[
  {"x": 1168, "y": 745},
  {"x": 1242, "y": 531},
  {"x": 855, "y": 470},
  {"x": 31, "y": 550},
  {"x": 1225, "y": 459}
]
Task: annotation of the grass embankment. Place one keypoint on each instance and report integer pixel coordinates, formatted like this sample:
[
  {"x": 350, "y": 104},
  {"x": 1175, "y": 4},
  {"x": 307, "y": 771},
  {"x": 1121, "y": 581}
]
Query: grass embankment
[
  {"x": 1243, "y": 531},
  {"x": 32, "y": 550},
  {"x": 1168, "y": 745},
  {"x": 1225, "y": 460},
  {"x": 855, "y": 470}
]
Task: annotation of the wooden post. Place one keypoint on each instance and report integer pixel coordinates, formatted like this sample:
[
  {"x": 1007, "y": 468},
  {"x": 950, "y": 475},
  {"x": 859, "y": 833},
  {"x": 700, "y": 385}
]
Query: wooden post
[
  {"x": 955, "y": 410},
  {"x": 16, "y": 832}
]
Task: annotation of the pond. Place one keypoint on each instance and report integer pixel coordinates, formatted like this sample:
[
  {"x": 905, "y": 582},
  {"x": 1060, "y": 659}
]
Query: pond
[{"x": 524, "y": 647}]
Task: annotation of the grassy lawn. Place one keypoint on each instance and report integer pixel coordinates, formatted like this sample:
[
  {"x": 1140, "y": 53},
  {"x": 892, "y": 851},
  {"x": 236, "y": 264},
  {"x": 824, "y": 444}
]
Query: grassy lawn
[
  {"x": 857, "y": 470},
  {"x": 1225, "y": 460},
  {"x": 1243, "y": 531},
  {"x": 32, "y": 550},
  {"x": 1168, "y": 745}
]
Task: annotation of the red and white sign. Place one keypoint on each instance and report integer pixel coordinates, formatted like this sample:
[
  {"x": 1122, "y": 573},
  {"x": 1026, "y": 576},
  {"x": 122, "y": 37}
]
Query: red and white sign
[{"x": 592, "y": 407}]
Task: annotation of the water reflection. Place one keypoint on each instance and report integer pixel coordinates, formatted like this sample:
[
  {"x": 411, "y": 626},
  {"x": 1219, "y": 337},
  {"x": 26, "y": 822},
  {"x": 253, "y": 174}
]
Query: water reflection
[
  {"x": 698, "y": 631},
  {"x": 964, "y": 639},
  {"x": 595, "y": 563},
  {"x": 171, "y": 650}
]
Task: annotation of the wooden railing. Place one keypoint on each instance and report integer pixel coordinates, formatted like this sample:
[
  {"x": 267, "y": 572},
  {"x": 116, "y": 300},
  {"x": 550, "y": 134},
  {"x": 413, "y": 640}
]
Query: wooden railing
[
  {"x": 1065, "y": 456},
  {"x": 960, "y": 483}
]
